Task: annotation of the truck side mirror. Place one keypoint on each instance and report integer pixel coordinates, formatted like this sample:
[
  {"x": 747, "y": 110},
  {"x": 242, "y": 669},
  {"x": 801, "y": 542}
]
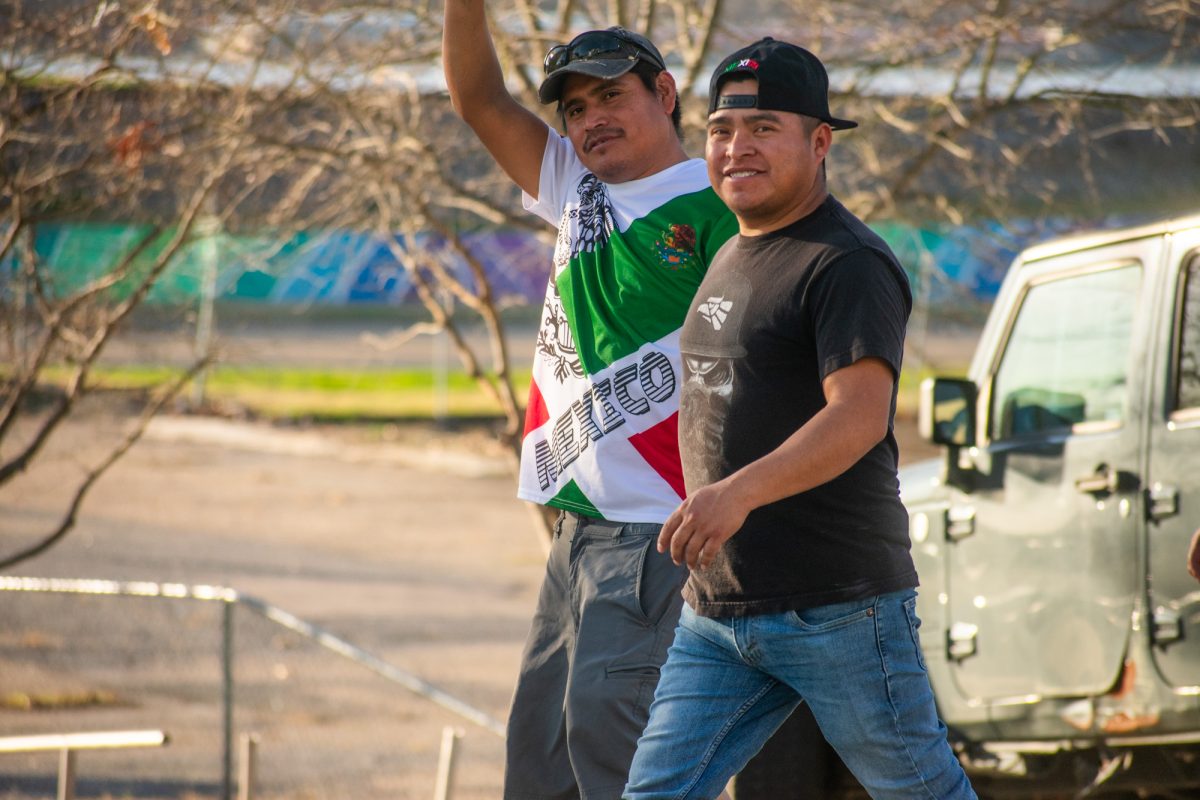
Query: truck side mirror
[{"x": 946, "y": 414}]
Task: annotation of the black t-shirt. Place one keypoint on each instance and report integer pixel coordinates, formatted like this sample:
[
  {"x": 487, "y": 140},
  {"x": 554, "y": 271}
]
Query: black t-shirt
[{"x": 773, "y": 317}]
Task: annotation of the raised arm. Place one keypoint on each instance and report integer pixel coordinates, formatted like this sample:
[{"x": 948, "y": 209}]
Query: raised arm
[{"x": 514, "y": 135}]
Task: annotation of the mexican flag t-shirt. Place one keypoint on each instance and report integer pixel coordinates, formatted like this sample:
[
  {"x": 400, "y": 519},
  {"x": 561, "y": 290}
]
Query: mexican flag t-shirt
[{"x": 601, "y": 428}]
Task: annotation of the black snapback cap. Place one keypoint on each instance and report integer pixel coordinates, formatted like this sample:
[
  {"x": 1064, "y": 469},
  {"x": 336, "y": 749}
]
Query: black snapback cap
[
  {"x": 608, "y": 53},
  {"x": 789, "y": 79}
]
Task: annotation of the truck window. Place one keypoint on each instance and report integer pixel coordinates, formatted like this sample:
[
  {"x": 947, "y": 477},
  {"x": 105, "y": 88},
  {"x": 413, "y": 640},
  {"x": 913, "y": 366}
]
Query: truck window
[
  {"x": 1187, "y": 365},
  {"x": 1067, "y": 357}
]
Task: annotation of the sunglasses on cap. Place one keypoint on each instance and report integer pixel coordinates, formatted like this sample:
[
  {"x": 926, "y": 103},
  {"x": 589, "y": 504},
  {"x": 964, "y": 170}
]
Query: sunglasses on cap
[{"x": 597, "y": 45}]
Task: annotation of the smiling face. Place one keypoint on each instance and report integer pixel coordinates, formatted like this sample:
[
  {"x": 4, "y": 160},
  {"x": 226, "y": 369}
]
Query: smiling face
[
  {"x": 621, "y": 130},
  {"x": 766, "y": 165}
]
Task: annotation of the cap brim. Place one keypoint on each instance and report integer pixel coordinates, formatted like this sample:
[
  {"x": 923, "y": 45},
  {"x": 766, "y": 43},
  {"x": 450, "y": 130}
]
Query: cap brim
[
  {"x": 840, "y": 124},
  {"x": 551, "y": 88}
]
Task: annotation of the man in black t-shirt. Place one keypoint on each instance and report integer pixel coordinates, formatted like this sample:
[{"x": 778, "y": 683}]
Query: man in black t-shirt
[{"x": 801, "y": 586}]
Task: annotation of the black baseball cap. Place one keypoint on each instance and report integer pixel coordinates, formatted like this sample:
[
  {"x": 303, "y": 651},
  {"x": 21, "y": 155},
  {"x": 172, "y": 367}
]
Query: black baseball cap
[
  {"x": 608, "y": 53},
  {"x": 789, "y": 79}
]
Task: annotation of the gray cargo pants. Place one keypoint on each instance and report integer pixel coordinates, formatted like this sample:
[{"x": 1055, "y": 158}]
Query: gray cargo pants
[{"x": 605, "y": 617}]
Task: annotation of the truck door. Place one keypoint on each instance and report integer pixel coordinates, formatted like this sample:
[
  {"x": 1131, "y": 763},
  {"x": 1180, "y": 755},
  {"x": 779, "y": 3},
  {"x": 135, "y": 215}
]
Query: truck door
[
  {"x": 1043, "y": 552},
  {"x": 1173, "y": 479}
]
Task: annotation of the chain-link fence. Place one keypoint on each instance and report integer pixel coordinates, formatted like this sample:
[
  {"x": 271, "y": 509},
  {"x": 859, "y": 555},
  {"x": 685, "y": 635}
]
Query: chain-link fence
[{"x": 209, "y": 666}]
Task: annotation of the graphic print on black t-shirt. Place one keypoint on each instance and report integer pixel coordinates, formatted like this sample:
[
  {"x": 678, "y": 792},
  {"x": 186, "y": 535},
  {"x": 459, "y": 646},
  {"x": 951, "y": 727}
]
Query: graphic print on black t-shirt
[{"x": 709, "y": 367}]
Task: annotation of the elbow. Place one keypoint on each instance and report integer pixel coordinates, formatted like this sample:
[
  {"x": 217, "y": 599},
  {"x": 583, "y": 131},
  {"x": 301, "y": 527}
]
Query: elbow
[
  {"x": 477, "y": 118},
  {"x": 457, "y": 101},
  {"x": 869, "y": 429},
  {"x": 880, "y": 429},
  {"x": 464, "y": 99},
  {"x": 469, "y": 113},
  {"x": 475, "y": 108}
]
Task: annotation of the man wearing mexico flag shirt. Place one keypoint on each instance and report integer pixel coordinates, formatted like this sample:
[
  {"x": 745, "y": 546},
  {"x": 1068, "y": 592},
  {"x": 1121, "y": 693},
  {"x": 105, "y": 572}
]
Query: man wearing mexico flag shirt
[{"x": 637, "y": 225}]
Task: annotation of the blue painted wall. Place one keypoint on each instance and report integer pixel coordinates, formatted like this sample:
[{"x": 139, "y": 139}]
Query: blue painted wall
[{"x": 345, "y": 268}]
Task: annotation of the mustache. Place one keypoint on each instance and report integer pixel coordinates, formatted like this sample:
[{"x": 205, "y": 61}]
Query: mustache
[{"x": 606, "y": 132}]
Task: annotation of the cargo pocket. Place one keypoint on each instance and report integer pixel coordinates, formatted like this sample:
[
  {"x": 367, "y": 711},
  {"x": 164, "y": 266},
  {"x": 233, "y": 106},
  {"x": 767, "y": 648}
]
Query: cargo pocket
[
  {"x": 641, "y": 680},
  {"x": 632, "y": 671}
]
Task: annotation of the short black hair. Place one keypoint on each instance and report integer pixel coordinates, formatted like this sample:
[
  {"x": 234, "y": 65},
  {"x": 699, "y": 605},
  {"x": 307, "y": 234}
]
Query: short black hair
[{"x": 648, "y": 73}]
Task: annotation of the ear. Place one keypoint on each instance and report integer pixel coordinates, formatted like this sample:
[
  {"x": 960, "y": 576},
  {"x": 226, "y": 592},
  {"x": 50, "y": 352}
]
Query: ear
[
  {"x": 664, "y": 86},
  {"x": 822, "y": 140}
]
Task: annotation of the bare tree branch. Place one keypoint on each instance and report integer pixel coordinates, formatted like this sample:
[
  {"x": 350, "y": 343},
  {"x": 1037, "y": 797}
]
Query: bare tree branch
[
  {"x": 306, "y": 120},
  {"x": 70, "y": 517}
]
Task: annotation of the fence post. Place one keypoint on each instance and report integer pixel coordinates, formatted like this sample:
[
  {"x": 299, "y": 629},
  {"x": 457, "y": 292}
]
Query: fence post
[
  {"x": 247, "y": 759},
  {"x": 445, "y": 775},
  {"x": 227, "y": 700},
  {"x": 66, "y": 774},
  {"x": 207, "y": 228}
]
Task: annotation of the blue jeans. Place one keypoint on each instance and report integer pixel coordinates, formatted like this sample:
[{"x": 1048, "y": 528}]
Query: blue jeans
[{"x": 729, "y": 683}]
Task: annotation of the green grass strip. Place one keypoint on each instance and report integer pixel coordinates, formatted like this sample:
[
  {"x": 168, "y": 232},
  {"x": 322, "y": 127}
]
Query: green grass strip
[{"x": 333, "y": 395}]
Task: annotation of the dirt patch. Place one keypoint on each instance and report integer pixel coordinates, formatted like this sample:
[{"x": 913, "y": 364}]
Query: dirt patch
[
  {"x": 409, "y": 545},
  {"x": 404, "y": 540}
]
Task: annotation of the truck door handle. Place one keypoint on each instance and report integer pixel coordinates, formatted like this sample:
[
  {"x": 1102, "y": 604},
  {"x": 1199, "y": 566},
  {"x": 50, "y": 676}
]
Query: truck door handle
[
  {"x": 1167, "y": 626},
  {"x": 1162, "y": 501},
  {"x": 1105, "y": 480},
  {"x": 962, "y": 641}
]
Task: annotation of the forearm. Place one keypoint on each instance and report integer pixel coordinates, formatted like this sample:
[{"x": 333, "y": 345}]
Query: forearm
[
  {"x": 825, "y": 447},
  {"x": 855, "y": 418},
  {"x": 473, "y": 74},
  {"x": 514, "y": 135}
]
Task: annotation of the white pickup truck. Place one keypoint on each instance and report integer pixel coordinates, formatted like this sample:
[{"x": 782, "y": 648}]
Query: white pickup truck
[{"x": 1060, "y": 625}]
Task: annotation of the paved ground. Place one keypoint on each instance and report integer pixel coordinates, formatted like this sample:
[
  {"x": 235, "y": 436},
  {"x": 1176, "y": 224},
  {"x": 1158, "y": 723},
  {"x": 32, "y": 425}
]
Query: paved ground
[
  {"x": 417, "y": 554},
  {"x": 408, "y": 544}
]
